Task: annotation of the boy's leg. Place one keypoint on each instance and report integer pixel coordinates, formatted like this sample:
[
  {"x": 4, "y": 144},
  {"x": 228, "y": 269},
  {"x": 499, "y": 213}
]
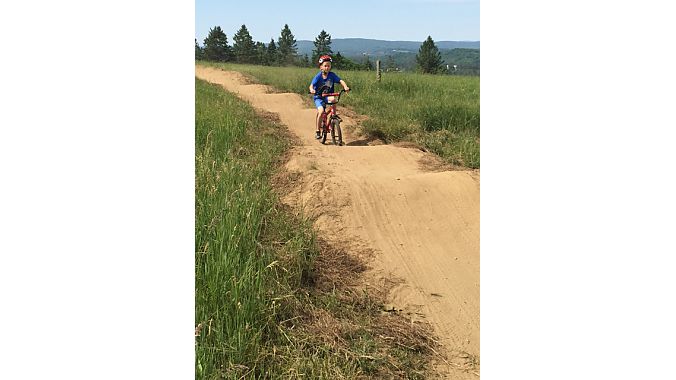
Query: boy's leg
[
  {"x": 318, "y": 119},
  {"x": 320, "y": 112}
]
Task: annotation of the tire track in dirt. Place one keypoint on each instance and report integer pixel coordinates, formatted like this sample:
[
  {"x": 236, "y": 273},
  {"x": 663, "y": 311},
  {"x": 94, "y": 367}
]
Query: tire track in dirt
[{"x": 422, "y": 226}]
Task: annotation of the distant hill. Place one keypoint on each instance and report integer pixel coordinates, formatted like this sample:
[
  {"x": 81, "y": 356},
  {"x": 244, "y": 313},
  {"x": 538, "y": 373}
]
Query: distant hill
[
  {"x": 359, "y": 46},
  {"x": 467, "y": 61},
  {"x": 464, "y": 54}
]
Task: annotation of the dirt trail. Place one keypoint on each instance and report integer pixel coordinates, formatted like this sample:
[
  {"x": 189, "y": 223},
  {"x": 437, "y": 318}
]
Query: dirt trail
[{"x": 422, "y": 225}]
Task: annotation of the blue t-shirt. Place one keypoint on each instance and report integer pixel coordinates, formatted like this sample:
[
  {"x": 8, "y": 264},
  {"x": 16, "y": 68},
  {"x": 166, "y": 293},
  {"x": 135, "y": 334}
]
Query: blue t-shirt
[{"x": 318, "y": 82}]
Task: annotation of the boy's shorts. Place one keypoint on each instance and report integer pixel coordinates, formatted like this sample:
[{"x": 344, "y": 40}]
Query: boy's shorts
[{"x": 319, "y": 103}]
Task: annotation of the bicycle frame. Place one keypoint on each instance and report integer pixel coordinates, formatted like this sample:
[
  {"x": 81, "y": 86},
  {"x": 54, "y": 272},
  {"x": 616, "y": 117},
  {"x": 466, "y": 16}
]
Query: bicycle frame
[{"x": 329, "y": 115}]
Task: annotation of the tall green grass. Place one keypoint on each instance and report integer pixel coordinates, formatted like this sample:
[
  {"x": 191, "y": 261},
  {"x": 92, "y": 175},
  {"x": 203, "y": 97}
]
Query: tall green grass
[
  {"x": 237, "y": 277},
  {"x": 441, "y": 113}
]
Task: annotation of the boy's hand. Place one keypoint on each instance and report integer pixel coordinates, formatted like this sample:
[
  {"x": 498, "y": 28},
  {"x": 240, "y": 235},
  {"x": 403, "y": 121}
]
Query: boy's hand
[
  {"x": 312, "y": 91},
  {"x": 347, "y": 89}
]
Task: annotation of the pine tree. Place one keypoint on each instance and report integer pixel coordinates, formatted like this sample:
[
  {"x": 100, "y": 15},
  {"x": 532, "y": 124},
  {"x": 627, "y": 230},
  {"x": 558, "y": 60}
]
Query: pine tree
[
  {"x": 287, "y": 47},
  {"x": 198, "y": 51},
  {"x": 428, "y": 57},
  {"x": 216, "y": 46},
  {"x": 243, "y": 46},
  {"x": 261, "y": 54},
  {"x": 322, "y": 46},
  {"x": 272, "y": 53}
]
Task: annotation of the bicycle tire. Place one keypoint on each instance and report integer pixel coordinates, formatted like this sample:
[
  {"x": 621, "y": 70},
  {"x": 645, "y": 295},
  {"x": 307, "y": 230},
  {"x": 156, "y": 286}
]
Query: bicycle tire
[
  {"x": 337, "y": 131},
  {"x": 333, "y": 132}
]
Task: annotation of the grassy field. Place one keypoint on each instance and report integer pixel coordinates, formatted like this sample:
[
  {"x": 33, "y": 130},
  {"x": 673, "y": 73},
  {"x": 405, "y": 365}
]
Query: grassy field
[
  {"x": 271, "y": 299},
  {"x": 440, "y": 113}
]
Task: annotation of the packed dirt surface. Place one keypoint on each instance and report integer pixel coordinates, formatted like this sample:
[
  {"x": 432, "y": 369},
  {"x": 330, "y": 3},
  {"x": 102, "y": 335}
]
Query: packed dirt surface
[{"x": 417, "y": 221}]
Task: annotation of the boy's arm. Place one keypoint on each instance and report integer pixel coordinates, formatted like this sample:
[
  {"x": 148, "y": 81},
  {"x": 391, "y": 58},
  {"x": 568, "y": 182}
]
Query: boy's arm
[
  {"x": 312, "y": 85},
  {"x": 342, "y": 83}
]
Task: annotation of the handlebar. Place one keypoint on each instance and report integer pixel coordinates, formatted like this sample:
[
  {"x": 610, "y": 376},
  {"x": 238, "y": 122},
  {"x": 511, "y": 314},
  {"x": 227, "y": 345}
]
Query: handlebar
[{"x": 331, "y": 94}]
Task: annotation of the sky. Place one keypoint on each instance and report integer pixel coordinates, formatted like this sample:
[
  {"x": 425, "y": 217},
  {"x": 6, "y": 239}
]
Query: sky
[{"x": 392, "y": 20}]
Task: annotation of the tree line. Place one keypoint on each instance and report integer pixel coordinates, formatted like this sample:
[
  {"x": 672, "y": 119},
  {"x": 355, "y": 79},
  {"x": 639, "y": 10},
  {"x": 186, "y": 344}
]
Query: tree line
[{"x": 285, "y": 53}]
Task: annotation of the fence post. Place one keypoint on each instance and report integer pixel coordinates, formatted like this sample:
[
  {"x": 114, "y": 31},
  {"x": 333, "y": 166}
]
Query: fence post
[{"x": 378, "y": 70}]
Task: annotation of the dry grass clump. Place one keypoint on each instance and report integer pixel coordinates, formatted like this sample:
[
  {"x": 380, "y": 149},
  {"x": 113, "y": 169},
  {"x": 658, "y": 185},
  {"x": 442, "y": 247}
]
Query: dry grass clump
[{"x": 346, "y": 321}]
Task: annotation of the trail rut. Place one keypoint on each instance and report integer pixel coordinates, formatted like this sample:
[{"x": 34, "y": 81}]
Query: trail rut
[{"x": 421, "y": 224}]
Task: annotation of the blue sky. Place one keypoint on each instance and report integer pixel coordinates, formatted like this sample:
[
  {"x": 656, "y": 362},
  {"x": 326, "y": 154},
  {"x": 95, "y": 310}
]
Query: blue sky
[{"x": 406, "y": 20}]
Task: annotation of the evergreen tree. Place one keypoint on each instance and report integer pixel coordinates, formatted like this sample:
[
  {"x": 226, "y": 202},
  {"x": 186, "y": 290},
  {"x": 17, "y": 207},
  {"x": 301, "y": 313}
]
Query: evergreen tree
[
  {"x": 198, "y": 51},
  {"x": 305, "y": 62},
  {"x": 322, "y": 46},
  {"x": 342, "y": 63},
  {"x": 428, "y": 57},
  {"x": 243, "y": 46},
  {"x": 261, "y": 54},
  {"x": 272, "y": 53},
  {"x": 216, "y": 46},
  {"x": 287, "y": 47}
]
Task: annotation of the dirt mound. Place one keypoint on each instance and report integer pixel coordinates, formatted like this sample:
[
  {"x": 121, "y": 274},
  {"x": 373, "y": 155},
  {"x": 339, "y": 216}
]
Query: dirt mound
[{"x": 417, "y": 221}]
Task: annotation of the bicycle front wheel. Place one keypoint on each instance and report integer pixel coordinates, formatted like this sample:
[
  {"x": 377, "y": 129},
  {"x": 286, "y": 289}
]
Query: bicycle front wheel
[{"x": 336, "y": 133}]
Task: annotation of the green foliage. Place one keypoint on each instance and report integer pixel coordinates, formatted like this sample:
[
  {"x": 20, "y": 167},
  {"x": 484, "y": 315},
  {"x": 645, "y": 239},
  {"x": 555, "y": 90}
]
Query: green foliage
[
  {"x": 428, "y": 58},
  {"x": 243, "y": 46},
  {"x": 322, "y": 46},
  {"x": 286, "y": 47},
  {"x": 216, "y": 46}
]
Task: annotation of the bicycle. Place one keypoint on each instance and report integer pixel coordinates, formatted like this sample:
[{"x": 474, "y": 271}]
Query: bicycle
[{"x": 331, "y": 124}]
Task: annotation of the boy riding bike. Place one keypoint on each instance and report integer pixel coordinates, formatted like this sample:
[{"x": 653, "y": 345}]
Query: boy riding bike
[{"x": 324, "y": 80}]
